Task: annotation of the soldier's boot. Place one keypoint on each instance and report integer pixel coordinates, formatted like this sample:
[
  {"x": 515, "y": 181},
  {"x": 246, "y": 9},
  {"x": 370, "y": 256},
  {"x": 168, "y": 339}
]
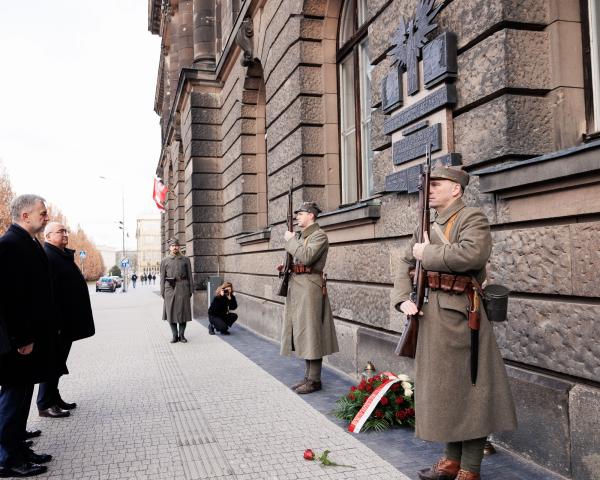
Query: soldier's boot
[
  {"x": 443, "y": 469},
  {"x": 466, "y": 475},
  {"x": 309, "y": 387},
  {"x": 175, "y": 339},
  {"x": 299, "y": 384}
]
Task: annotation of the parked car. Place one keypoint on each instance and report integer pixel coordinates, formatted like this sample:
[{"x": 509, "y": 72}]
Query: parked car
[
  {"x": 106, "y": 283},
  {"x": 118, "y": 280}
]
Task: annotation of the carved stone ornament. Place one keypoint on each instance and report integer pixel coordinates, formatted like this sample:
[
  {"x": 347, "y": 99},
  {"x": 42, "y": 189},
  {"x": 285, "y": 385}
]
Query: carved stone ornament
[
  {"x": 245, "y": 39},
  {"x": 410, "y": 37}
]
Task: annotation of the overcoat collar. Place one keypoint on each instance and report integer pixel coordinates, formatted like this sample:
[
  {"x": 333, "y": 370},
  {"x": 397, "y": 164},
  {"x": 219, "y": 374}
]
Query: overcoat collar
[
  {"x": 309, "y": 230},
  {"x": 19, "y": 230},
  {"x": 454, "y": 207},
  {"x": 67, "y": 252}
]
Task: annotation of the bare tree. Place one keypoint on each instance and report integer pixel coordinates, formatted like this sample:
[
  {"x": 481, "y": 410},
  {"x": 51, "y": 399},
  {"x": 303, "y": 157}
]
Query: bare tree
[{"x": 6, "y": 196}]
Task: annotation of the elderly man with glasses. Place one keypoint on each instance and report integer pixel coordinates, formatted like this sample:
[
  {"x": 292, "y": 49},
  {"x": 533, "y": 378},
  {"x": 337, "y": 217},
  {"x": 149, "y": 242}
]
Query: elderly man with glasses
[{"x": 73, "y": 314}]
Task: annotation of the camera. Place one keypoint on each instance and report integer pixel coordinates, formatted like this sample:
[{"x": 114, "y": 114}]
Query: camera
[{"x": 226, "y": 291}]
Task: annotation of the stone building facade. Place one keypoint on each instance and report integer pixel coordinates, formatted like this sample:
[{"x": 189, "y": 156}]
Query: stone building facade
[
  {"x": 342, "y": 96},
  {"x": 148, "y": 238}
]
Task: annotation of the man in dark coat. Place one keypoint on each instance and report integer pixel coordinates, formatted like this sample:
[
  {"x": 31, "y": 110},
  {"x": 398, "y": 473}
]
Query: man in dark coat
[
  {"x": 74, "y": 314},
  {"x": 24, "y": 308}
]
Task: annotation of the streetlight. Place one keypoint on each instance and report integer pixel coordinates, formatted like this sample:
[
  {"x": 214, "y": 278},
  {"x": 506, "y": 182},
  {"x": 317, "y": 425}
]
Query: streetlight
[{"x": 122, "y": 224}]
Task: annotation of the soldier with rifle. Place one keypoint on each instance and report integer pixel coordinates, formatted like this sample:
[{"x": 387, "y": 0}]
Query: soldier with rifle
[
  {"x": 461, "y": 387},
  {"x": 308, "y": 328}
]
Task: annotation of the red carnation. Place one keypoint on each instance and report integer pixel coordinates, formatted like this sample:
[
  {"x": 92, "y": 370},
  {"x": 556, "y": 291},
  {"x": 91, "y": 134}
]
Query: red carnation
[
  {"x": 309, "y": 454},
  {"x": 352, "y": 389},
  {"x": 410, "y": 411},
  {"x": 362, "y": 385},
  {"x": 352, "y": 397},
  {"x": 378, "y": 413},
  {"x": 399, "y": 400},
  {"x": 401, "y": 415},
  {"x": 395, "y": 387},
  {"x": 384, "y": 401},
  {"x": 369, "y": 388}
]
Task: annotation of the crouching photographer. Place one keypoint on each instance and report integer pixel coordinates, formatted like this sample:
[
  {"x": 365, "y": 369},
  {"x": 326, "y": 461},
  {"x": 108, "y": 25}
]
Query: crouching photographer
[{"x": 219, "y": 312}]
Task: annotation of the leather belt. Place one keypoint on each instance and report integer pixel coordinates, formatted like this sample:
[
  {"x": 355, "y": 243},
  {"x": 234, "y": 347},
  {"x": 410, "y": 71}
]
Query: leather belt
[{"x": 300, "y": 268}]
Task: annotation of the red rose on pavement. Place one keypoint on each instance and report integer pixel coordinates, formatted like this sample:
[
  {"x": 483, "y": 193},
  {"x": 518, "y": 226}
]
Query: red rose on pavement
[
  {"x": 378, "y": 413},
  {"x": 384, "y": 401},
  {"x": 399, "y": 400},
  {"x": 309, "y": 454}
]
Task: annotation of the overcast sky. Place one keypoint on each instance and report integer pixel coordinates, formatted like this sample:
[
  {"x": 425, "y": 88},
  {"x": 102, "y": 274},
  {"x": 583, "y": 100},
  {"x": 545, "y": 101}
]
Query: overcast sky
[{"x": 77, "y": 87}]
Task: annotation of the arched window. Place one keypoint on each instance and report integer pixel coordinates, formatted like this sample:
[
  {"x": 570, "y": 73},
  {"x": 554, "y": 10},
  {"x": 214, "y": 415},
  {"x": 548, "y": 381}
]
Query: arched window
[{"x": 354, "y": 73}]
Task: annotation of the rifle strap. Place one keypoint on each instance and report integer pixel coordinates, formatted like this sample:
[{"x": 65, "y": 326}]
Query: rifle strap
[{"x": 445, "y": 235}]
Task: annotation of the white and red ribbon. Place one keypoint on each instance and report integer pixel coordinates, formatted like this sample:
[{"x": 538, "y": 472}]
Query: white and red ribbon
[{"x": 365, "y": 412}]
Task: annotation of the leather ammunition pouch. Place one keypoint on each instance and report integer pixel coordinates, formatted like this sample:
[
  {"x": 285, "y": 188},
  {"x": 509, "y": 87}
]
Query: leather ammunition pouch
[{"x": 300, "y": 268}]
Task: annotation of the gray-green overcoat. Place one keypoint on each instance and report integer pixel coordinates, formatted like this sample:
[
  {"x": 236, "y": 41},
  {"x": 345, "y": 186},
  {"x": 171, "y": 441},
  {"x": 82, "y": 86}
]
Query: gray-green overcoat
[
  {"x": 448, "y": 407},
  {"x": 177, "y": 307},
  {"x": 308, "y": 328}
]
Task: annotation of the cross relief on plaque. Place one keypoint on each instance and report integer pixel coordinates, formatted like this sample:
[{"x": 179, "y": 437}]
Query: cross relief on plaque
[{"x": 421, "y": 116}]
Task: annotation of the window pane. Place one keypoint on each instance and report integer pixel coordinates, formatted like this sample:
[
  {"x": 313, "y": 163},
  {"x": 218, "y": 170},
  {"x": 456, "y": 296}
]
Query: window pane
[
  {"x": 348, "y": 131},
  {"x": 365, "y": 119},
  {"x": 347, "y": 22},
  {"x": 594, "y": 13}
]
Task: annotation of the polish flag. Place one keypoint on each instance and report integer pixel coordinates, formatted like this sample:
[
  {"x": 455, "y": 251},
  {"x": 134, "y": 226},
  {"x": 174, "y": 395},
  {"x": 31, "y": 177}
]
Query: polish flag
[{"x": 159, "y": 195}]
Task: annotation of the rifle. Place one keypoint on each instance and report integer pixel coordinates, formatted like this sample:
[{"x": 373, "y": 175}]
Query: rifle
[
  {"x": 285, "y": 273},
  {"x": 407, "y": 346}
]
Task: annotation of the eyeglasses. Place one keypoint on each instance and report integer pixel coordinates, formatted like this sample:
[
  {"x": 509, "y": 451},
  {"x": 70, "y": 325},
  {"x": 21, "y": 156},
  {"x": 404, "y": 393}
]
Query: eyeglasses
[{"x": 62, "y": 231}]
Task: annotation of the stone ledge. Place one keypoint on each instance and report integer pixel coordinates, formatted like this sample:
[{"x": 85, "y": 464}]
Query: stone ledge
[
  {"x": 254, "y": 237},
  {"x": 553, "y": 166},
  {"x": 360, "y": 213}
]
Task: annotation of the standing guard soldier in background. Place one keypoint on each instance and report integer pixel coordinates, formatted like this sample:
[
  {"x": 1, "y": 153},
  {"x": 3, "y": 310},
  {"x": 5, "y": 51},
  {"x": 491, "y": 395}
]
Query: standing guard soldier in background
[
  {"x": 451, "y": 405},
  {"x": 308, "y": 328},
  {"x": 176, "y": 289}
]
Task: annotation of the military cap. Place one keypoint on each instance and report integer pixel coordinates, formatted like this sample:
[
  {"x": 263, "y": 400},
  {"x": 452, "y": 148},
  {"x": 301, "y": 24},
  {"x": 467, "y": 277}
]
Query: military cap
[
  {"x": 450, "y": 173},
  {"x": 174, "y": 242},
  {"x": 310, "y": 207}
]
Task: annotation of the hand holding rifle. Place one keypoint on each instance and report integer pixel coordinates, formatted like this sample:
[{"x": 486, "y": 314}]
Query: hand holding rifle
[{"x": 285, "y": 269}]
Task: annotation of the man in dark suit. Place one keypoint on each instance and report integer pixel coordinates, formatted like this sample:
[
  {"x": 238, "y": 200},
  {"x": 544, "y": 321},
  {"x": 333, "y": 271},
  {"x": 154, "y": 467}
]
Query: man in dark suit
[
  {"x": 74, "y": 314},
  {"x": 26, "y": 300}
]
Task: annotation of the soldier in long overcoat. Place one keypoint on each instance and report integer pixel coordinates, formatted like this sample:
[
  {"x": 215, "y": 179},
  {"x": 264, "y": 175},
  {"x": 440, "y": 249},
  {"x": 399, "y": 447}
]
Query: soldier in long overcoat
[
  {"x": 176, "y": 288},
  {"x": 308, "y": 328},
  {"x": 448, "y": 407}
]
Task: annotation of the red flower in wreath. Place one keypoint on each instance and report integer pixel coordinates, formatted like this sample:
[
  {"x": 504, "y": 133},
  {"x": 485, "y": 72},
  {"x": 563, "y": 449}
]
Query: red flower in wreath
[
  {"x": 369, "y": 388},
  {"x": 399, "y": 400},
  {"x": 395, "y": 387},
  {"x": 378, "y": 413},
  {"x": 352, "y": 388},
  {"x": 401, "y": 415},
  {"x": 351, "y": 397},
  {"x": 384, "y": 401}
]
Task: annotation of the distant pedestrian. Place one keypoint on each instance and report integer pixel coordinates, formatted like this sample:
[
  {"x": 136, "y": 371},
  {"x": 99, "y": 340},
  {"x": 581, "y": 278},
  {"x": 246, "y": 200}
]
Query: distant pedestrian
[
  {"x": 144, "y": 279},
  {"x": 134, "y": 278},
  {"x": 153, "y": 279},
  {"x": 176, "y": 288},
  {"x": 308, "y": 328},
  {"x": 219, "y": 312},
  {"x": 74, "y": 314},
  {"x": 28, "y": 312}
]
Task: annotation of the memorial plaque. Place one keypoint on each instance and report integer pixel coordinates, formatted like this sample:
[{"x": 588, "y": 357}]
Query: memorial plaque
[
  {"x": 407, "y": 180},
  {"x": 414, "y": 177},
  {"x": 417, "y": 126},
  {"x": 439, "y": 98},
  {"x": 391, "y": 91},
  {"x": 397, "y": 182},
  {"x": 414, "y": 145},
  {"x": 439, "y": 59}
]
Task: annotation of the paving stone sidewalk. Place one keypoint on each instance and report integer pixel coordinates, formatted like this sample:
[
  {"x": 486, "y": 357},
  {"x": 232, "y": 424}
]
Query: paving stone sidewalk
[{"x": 148, "y": 409}]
